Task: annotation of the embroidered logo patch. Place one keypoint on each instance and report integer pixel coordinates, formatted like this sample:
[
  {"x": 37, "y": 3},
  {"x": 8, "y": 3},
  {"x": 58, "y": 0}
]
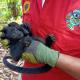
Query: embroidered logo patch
[
  {"x": 26, "y": 6},
  {"x": 73, "y": 19}
]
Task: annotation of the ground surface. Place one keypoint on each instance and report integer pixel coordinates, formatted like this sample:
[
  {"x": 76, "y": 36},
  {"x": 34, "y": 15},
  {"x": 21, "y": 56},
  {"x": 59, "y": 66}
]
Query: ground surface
[{"x": 5, "y": 73}]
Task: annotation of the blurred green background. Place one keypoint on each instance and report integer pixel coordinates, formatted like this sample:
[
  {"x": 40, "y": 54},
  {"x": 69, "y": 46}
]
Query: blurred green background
[{"x": 10, "y": 10}]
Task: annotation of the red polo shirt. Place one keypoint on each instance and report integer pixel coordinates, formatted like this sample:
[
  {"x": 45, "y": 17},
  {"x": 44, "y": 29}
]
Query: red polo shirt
[{"x": 58, "y": 17}]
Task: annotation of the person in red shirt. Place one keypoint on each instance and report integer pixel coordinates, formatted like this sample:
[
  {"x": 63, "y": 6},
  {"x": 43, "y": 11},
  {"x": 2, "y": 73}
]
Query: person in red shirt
[{"x": 62, "y": 19}]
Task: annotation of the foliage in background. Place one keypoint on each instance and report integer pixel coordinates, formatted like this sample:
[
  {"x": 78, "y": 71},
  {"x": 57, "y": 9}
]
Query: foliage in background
[{"x": 10, "y": 9}]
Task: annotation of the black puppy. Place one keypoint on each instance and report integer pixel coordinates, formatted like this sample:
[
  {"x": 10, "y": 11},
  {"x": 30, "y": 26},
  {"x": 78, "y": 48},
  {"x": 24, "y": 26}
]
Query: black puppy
[
  {"x": 17, "y": 35},
  {"x": 20, "y": 37}
]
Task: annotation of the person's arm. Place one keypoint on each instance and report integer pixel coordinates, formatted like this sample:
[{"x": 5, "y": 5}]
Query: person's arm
[
  {"x": 43, "y": 54},
  {"x": 69, "y": 64}
]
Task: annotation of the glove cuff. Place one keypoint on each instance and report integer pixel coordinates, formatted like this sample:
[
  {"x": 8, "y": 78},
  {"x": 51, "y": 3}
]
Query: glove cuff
[{"x": 47, "y": 55}]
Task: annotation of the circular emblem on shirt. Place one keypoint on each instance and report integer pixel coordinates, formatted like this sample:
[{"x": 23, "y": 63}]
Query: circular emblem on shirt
[
  {"x": 73, "y": 19},
  {"x": 26, "y": 6}
]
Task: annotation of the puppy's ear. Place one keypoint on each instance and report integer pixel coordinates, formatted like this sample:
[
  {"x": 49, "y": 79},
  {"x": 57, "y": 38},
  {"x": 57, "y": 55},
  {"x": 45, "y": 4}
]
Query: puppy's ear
[
  {"x": 50, "y": 39},
  {"x": 25, "y": 28},
  {"x": 13, "y": 24}
]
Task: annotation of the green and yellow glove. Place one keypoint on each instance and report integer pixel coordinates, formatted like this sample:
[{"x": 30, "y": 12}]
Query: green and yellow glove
[{"x": 37, "y": 52}]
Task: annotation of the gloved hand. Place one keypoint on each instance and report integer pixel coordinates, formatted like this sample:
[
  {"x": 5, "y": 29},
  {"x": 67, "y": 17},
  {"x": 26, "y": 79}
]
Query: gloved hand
[{"x": 41, "y": 53}]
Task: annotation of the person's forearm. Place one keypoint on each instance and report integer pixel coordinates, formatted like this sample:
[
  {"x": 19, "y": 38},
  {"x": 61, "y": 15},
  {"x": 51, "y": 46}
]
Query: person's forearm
[{"x": 69, "y": 64}]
